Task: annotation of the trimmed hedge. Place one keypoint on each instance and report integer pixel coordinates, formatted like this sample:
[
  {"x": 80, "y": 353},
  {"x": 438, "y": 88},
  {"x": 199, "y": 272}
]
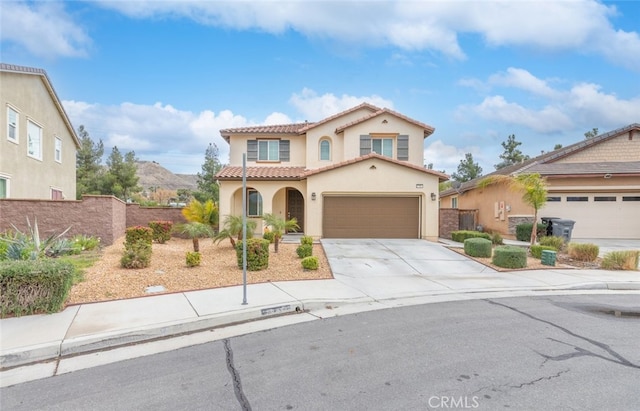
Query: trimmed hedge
[
  {"x": 552, "y": 241},
  {"x": 310, "y": 263},
  {"x": 34, "y": 286},
  {"x": 136, "y": 254},
  {"x": 257, "y": 254},
  {"x": 536, "y": 250},
  {"x": 509, "y": 256},
  {"x": 477, "y": 247},
  {"x": 304, "y": 250},
  {"x": 523, "y": 231},
  {"x": 462, "y": 235},
  {"x": 306, "y": 239},
  {"x": 161, "y": 230},
  {"x": 193, "y": 259},
  {"x": 138, "y": 233}
]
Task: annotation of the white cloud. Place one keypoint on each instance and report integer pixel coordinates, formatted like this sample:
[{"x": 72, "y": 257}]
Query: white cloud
[
  {"x": 174, "y": 138},
  {"x": 45, "y": 29},
  {"x": 582, "y": 26},
  {"x": 447, "y": 157},
  {"x": 583, "y": 106},
  {"x": 314, "y": 107},
  {"x": 277, "y": 118}
]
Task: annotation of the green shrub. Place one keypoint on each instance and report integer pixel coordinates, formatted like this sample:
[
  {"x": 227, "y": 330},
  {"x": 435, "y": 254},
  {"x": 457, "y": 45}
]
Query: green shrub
[
  {"x": 306, "y": 239},
  {"x": 310, "y": 263},
  {"x": 523, "y": 231},
  {"x": 193, "y": 259},
  {"x": 136, "y": 254},
  {"x": 477, "y": 247},
  {"x": 304, "y": 250},
  {"x": 257, "y": 254},
  {"x": 462, "y": 235},
  {"x": 583, "y": 252},
  {"x": 34, "y": 286},
  {"x": 83, "y": 242},
  {"x": 509, "y": 256},
  {"x": 552, "y": 241},
  {"x": 269, "y": 236},
  {"x": 536, "y": 250},
  {"x": 621, "y": 260},
  {"x": 138, "y": 233},
  {"x": 161, "y": 230}
]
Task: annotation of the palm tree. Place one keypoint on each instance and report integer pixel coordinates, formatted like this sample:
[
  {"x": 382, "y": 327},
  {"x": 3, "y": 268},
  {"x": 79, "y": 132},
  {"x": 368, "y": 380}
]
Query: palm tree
[
  {"x": 533, "y": 188},
  {"x": 279, "y": 226},
  {"x": 195, "y": 231},
  {"x": 232, "y": 229},
  {"x": 206, "y": 213}
]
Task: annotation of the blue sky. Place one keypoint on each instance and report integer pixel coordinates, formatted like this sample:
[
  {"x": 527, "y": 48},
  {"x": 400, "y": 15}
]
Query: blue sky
[{"x": 162, "y": 78}]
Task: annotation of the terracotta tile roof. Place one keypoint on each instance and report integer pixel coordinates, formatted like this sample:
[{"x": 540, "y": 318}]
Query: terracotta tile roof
[
  {"x": 266, "y": 129},
  {"x": 368, "y": 106},
  {"x": 428, "y": 130},
  {"x": 40, "y": 72},
  {"x": 441, "y": 176},
  {"x": 261, "y": 173}
]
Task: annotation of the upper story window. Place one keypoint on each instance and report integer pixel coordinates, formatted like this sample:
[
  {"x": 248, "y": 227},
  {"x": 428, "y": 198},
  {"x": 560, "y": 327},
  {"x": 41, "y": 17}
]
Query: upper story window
[
  {"x": 12, "y": 125},
  {"x": 34, "y": 140},
  {"x": 57, "y": 155},
  {"x": 4, "y": 187},
  {"x": 325, "y": 150},
  {"x": 389, "y": 146},
  {"x": 454, "y": 202},
  {"x": 268, "y": 150}
]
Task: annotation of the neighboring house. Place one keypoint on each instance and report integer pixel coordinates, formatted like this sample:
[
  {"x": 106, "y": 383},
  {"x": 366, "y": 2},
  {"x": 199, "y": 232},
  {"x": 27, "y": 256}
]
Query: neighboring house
[
  {"x": 595, "y": 183},
  {"x": 357, "y": 174},
  {"x": 38, "y": 144}
]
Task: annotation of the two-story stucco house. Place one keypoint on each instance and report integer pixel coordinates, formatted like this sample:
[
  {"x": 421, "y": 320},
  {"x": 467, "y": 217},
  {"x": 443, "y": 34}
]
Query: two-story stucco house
[
  {"x": 357, "y": 174},
  {"x": 594, "y": 182},
  {"x": 38, "y": 144}
]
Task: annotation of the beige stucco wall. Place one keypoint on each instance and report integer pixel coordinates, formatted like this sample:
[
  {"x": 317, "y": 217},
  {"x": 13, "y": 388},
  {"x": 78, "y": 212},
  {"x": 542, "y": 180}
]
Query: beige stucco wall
[
  {"x": 30, "y": 177},
  {"x": 385, "y": 179},
  {"x": 615, "y": 149}
]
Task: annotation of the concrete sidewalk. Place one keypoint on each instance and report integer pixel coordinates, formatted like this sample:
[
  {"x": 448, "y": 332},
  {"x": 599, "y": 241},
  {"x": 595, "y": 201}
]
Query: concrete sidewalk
[{"x": 384, "y": 274}]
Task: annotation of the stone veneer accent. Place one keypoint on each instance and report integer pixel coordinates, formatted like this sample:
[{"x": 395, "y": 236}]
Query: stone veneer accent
[{"x": 515, "y": 220}]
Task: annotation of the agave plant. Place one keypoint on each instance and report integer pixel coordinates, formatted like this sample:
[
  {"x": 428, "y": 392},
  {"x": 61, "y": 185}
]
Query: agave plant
[{"x": 29, "y": 245}]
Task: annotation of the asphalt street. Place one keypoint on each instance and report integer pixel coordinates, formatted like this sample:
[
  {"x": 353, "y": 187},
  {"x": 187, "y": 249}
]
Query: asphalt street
[{"x": 527, "y": 353}]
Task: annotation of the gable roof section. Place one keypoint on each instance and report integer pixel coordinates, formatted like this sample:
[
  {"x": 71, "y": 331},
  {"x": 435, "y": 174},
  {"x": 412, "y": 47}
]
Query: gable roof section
[
  {"x": 368, "y": 106},
  {"x": 428, "y": 130},
  {"x": 12, "y": 68},
  {"x": 441, "y": 176},
  {"x": 545, "y": 164}
]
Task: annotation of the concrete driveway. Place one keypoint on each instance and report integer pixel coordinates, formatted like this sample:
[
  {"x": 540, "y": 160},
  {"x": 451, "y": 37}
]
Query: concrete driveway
[{"x": 396, "y": 268}]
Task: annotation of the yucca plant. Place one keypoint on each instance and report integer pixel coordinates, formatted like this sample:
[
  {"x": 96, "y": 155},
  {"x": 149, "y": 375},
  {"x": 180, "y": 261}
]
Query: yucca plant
[{"x": 29, "y": 245}]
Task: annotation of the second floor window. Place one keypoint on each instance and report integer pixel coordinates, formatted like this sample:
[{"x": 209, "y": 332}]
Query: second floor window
[
  {"x": 34, "y": 140},
  {"x": 325, "y": 150},
  {"x": 382, "y": 146},
  {"x": 58, "y": 150},
  {"x": 454, "y": 202},
  {"x": 12, "y": 125},
  {"x": 268, "y": 150}
]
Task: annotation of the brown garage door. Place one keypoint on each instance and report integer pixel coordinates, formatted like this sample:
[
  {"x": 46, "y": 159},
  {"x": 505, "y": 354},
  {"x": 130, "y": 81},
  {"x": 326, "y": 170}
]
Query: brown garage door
[{"x": 371, "y": 217}]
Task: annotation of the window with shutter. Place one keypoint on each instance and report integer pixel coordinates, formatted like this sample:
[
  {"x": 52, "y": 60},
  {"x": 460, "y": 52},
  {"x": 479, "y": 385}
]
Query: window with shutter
[
  {"x": 365, "y": 144},
  {"x": 403, "y": 147},
  {"x": 252, "y": 150},
  {"x": 284, "y": 150}
]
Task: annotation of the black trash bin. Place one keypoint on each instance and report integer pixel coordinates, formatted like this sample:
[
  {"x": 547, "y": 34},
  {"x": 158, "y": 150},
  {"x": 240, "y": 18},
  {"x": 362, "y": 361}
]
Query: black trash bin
[
  {"x": 546, "y": 221},
  {"x": 563, "y": 228}
]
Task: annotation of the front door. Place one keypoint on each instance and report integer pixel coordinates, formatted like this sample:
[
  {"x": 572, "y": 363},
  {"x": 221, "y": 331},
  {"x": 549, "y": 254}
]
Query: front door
[{"x": 295, "y": 207}]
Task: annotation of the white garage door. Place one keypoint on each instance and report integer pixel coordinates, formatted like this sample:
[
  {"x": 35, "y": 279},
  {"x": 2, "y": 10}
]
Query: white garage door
[{"x": 603, "y": 215}]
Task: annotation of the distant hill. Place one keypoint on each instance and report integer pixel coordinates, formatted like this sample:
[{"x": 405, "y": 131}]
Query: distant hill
[{"x": 152, "y": 174}]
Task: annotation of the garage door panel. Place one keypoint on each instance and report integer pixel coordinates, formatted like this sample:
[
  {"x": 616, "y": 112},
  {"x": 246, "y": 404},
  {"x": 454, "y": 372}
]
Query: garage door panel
[{"x": 371, "y": 217}]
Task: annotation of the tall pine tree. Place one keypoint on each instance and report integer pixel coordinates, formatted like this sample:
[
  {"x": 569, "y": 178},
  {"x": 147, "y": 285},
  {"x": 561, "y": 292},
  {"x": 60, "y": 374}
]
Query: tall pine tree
[
  {"x": 208, "y": 189},
  {"x": 467, "y": 169},
  {"x": 511, "y": 154},
  {"x": 89, "y": 170}
]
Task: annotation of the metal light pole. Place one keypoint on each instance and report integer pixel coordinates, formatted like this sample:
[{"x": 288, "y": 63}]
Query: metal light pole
[{"x": 244, "y": 229}]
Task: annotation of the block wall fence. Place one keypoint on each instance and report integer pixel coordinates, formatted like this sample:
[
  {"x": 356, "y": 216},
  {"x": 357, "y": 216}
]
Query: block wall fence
[{"x": 106, "y": 217}]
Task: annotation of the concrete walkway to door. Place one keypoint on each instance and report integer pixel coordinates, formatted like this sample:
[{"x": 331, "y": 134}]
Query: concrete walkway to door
[{"x": 400, "y": 268}]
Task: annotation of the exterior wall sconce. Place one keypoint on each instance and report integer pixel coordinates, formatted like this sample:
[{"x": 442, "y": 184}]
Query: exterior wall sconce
[
  {"x": 313, "y": 196},
  {"x": 433, "y": 196}
]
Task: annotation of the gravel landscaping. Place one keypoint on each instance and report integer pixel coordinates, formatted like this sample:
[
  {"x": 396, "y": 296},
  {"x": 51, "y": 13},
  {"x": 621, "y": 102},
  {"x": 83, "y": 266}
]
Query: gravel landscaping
[{"x": 168, "y": 271}]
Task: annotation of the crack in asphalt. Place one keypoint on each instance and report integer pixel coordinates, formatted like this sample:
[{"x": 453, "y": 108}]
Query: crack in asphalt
[
  {"x": 558, "y": 374},
  {"x": 235, "y": 376},
  {"x": 579, "y": 351}
]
